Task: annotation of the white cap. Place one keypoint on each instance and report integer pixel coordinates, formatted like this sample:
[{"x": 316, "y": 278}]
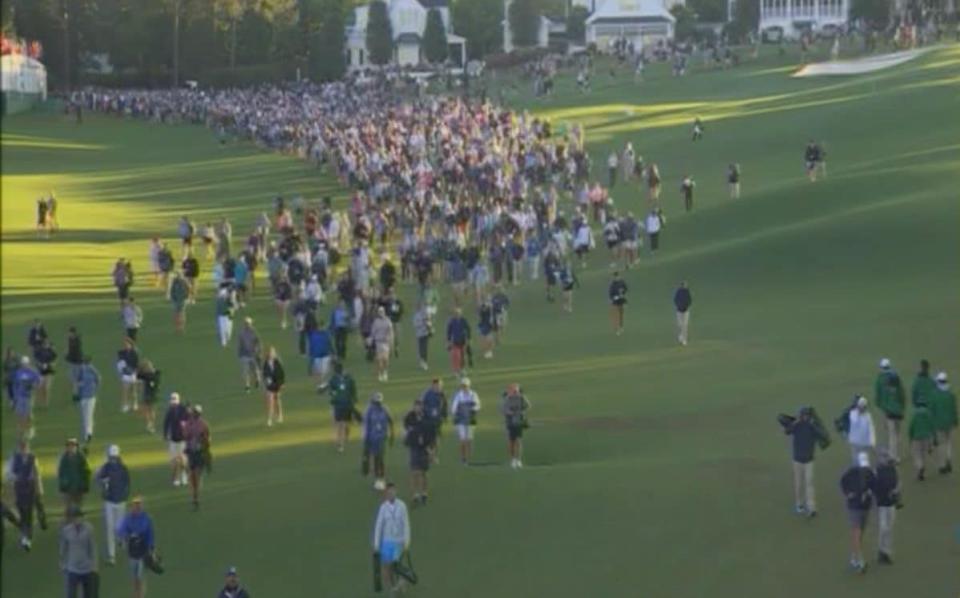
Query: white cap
[
  {"x": 113, "y": 451},
  {"x": 863, "y": 459},
  {"x": 861, "y": 401},
  {"x": 465, "y": 381},
  {"x": 24, "y": 360},
  {"x": 175, "y": 398},
  {"x": 942, "y": 377},
  {"x": 884, "y": 364}
]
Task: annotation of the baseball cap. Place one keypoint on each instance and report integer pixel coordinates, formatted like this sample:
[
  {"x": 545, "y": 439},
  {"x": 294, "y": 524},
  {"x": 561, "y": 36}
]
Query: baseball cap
[
  {"x": 24, "y": 360},
  {"x": 137, "y": 498},
  {"x": 113, "y": 451},
  {"x": 884, "y": 364},
  {"x": 861, "y": 401},
  {"x": 863, "y": 459},
  {"x": 231, "y": 572},
  {"x": 942, "y": 377},
  {"x": 465, "y": 381},
  {"x": 175, "y": 398},
  {"x": 72, "y": 441},
  {"x": 198, "y": 409}
]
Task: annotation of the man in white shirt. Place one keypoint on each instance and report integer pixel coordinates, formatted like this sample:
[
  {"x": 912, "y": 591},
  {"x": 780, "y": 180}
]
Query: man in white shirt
[
  {"x": 464, "y": 407},
  {"x": 652, "y": 224},
  {"x": 861, "y": 434},
  {"x": 381, "y": 333},
  {"x": 391, "y": 536}
]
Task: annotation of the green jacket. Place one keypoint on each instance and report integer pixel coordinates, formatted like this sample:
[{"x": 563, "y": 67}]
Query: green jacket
[
  {"x": 921, "y": 424},
  {"x": 73, "y": 474},
  {"x": 343, "y": 391},
  {"x": 889, "y": 394},
  {"x": 179, "y": 291},
  {"x": 943, "y": 408},
  {"x": 923, "y": 389}
]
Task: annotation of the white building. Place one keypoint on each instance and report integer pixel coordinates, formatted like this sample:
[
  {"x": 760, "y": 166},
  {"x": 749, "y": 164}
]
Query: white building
[
  {"x": 643, "y": 22},
  {"x": 544, "y": 31},
  {"x": 796, "y": 16},
  {"x": 408, "y": 18}
]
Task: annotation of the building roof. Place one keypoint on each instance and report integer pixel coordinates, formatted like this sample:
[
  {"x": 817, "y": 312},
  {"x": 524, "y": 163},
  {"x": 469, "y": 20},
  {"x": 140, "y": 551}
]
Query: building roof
[{"x": 630, "y": 11}]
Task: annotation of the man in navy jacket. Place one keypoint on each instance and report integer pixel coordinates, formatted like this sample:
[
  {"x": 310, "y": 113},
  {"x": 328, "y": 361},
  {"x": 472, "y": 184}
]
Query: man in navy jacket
[{"x": 682, "y": 300}]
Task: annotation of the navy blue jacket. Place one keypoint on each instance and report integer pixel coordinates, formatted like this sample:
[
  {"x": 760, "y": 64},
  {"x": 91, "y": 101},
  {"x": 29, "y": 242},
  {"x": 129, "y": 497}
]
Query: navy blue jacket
[
  {"x": 114, "y": 478},
  {"x": 682, "y": 299}
]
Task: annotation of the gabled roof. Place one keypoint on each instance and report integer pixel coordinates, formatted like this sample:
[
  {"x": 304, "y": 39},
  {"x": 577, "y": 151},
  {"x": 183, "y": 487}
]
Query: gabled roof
[{"x": 630, "y": 11}]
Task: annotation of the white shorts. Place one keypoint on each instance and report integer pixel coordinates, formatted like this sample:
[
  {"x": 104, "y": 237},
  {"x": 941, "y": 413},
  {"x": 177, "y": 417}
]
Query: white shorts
[
  {"x": 320, "y": 366},
  {"x": 465, "y": 432},
  {"x": 129, "y": 378},
  {"x": 630, "y": 245},
  {"x": 383, "y": 350},
  {"x": 175, "y": 449}
]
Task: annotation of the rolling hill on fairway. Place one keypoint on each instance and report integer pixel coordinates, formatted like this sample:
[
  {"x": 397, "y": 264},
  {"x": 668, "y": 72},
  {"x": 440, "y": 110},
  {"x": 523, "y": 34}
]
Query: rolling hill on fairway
[{"x": 652, "y": 469}]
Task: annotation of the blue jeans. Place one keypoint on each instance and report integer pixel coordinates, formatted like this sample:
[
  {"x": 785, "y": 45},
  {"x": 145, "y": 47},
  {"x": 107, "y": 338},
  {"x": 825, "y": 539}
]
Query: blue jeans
[{"x": 86, "y": 581}]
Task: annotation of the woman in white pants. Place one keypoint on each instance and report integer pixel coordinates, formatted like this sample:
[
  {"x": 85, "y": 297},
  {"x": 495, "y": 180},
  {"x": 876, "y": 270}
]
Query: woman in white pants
[{"x": 87, "y": 383}]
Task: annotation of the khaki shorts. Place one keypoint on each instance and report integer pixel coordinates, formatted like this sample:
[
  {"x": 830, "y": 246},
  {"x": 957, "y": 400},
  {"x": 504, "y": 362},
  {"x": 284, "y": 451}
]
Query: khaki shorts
[{"x": 383, "y": 350}]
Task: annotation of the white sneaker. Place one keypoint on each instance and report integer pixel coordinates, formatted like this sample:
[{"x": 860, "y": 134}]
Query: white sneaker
[
  {"x": 423, "y": 365},
  {"x": 177, "y": 483},
  {"x": 125, "y": 409},
  {"x": 280, "y": 419},
  {"x": 513, "y": 463},
  {"x": 386, "y": 376},
  {"x": 488, "y": 355},
  {"x": 183, "y": 480},
  {"x": 519, "y": 464},
  {"x": 269, "y": 423}
]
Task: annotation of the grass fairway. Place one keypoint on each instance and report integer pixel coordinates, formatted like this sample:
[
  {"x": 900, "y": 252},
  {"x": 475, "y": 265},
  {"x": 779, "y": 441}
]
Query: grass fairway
[{"x": 653, "y": 470}]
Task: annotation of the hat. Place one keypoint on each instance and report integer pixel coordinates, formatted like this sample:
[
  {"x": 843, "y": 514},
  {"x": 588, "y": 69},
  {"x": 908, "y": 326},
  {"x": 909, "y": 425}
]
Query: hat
[
  {"x": 198, "y": 409},
  {"x": 137, "y": 498},
  {"x": 863, "y": 459},
  {"x": 72, "y": 441},
  {"x": 231, "y": 572},
  {"x": 24, "y": 360},
  {"x": 377, "y": 397},
  {"x": 942, "y": 377},
  {"x": 464, "y": 381},
  {"x": 113, "y": 451},
  {"x": 175, "y": 398},
  {"x": 884, "y": 364},
  {"x": 861, "y": 401},
  {"x": 248, "y": 320}
]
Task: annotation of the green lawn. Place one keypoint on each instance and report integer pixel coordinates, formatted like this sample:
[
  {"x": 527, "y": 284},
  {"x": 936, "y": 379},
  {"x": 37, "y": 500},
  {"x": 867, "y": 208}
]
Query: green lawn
[{"x": 653, "y": 470}]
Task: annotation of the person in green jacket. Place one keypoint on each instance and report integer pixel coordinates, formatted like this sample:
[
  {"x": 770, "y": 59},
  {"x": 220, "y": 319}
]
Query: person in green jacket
[
  {"x": 892, "y": 400},
  {"x": 923, "y": 385},
  {"x": 73, "y": 475},
  {"x": 922, "y": 434},
  {"x": 944, "y": 411},
  {"x": 343, "y": 398}
]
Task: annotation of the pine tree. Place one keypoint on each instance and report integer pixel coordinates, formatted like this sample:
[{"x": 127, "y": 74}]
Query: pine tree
[
  {"x": 435, "y": 38},
  {"x": 379, "y": 33}
]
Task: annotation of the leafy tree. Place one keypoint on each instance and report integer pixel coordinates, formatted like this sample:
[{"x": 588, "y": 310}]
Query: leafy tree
[
  {"x": 327, "y": 60},
  {"x": 524, "y": 22},
  {"x": 876, "y": 13},
  {"x": 379, "y": 33},
  {"x": 577, "y": 24},
  {"x": 709, "y": 11},
  {"x": 480, "y": 22},
  {"x": 746, "y": 18},
  {"x": 435, "y": 37},
  {"x": 683, "y": 28}
]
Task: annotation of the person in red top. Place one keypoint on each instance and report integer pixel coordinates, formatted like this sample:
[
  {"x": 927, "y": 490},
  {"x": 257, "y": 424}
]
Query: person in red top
[{"x": 196, "y": 435}]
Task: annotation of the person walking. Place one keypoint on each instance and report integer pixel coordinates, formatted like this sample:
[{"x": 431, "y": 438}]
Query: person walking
[
  {"x": 132, "y": 317},
  {"x": 232, "y": 587},
  {"x": 343, "y": 399},
  {"x": 174, "y": 422},
  {"x": 858, "y": 485},
  {"x": 806, "y": 435},
  {"x": 618, "y": 299},
  {"x": 22, "y": 472},
  {"x": 45, "y": 357},
  {"x": 136, "y": 531},
  {"x": 888, "y": 499},
  {"x": 682, "y": 300},
  {"x": 377, "y": 431},
  {"x": 226, "y": 306},
  {"x": 274, "y": 378},
  {"x": 113, "y": 477},
  {"x": 923, "y": 385},
  {"x": 381, "y": 335},
  {"x": 78, "y": 555},
  {"x": 653, "y": 223},
  {"x": 861, "y": 434},
  {"x": 687, "y": 185},
  {"x": 149, "y": 377},
  {"x": 340, "y": 323},
  {"x": 190, "y": 269},
  {"x": 25, "y": 381},
  {"x": 73, "y": 475},
  {"x": 465, "y": 405},
  {"x": 320, "y": 350},
  {"x": 458, "y": 340},
  {"x": 391, "y": 537},
  {"x": 514, "y": 406},
  {"x": 128, "y": 360},
  {"x": 87, "y": 383},
  {"x": 249, "y": 352},
  {"x": 922, "y": 436},
  {"x": 733, "y": 180},
  {"x": 419, "y": 439},
  {"x": 423, "y": 330},
  {"x": 890, "y": 397},
  {"x": 196, "y": 436},
  {"x": 944, "y": 410},
  {"x": 179, "y": 297},
  {"x": 435, "y": 407},
  {"x": 74, "y": 357}
]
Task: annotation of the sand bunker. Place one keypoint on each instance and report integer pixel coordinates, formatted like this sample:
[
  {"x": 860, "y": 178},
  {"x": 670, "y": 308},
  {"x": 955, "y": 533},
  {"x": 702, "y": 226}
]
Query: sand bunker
[{"x": 860, "y": 65}]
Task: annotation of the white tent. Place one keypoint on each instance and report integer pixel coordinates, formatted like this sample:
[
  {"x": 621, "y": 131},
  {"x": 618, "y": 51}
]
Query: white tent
[
  {"x": 24, "y": 82},
  {"x": 642, "y": 22}
]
